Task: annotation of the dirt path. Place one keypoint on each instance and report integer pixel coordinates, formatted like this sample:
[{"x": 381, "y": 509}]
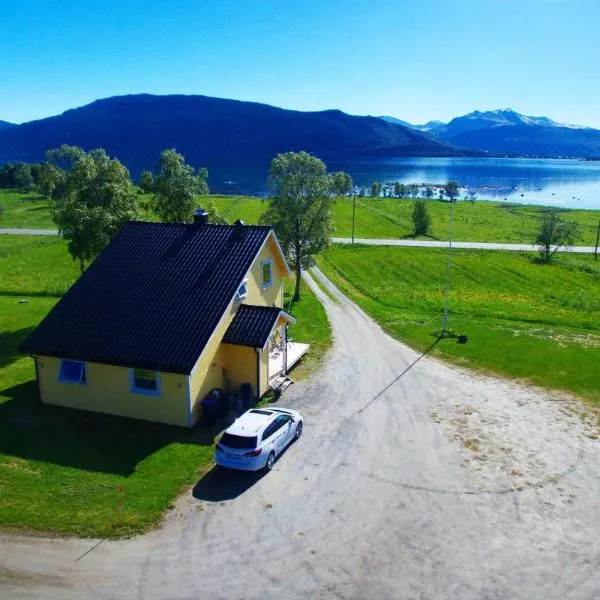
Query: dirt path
[{"x": 420, "y": 481}]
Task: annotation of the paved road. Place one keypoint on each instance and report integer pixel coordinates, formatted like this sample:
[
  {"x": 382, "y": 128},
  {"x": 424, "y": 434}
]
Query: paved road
[
  {"x": 28, "y": 231},
  {"x": 380, "y": 242},
  {"x": 442, "y": 244},
  {"x": 414, "y": 479}
]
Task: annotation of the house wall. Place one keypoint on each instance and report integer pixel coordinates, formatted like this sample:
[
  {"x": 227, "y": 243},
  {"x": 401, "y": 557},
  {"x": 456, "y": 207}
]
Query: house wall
[
  {"x": 239, "y": 363},
  {"x": 108, "y": 391},
  {"x": 207, "y": 373},
  {"x": 220, "y": 366},
  {"x": 264, "y": 371},
  {"x": 273, "y": 295}
]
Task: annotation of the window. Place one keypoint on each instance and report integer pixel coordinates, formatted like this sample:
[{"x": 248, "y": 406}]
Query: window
[
  {"x": 242, "y": 291},
  {"x": 240, "y": 442},
  {"x": 144, "y": 382},
  {"x": 269, "y": 431},
  {"x": 72, "y": 371},
  {"x": 275, "y": 426},
  {"x": 267, "y": 275}
]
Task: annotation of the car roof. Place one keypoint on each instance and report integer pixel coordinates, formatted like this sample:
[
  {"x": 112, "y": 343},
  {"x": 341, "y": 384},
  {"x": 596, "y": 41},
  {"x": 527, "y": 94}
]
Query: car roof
[{"x": 252, "y": 422}]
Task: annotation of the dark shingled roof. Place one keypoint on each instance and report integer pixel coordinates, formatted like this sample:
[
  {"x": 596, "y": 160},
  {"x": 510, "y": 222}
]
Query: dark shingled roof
[
  {"x": 152, "y": 298},
  {"x": 252, "y": 325}
]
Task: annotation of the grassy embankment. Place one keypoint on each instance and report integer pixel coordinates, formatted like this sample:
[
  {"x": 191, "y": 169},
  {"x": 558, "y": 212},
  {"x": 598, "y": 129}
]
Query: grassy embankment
[
  {"x": 80, "y": 473},
  {"x": 375, "y": 218},
  {"x": 538, "y": 323}
]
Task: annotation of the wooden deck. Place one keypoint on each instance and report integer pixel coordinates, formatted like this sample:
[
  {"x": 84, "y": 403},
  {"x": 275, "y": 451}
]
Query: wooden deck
[{"x": 295, "y": 352}]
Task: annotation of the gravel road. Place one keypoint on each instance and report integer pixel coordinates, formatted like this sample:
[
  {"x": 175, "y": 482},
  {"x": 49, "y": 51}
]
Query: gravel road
[{"x": 413, "y": 479}]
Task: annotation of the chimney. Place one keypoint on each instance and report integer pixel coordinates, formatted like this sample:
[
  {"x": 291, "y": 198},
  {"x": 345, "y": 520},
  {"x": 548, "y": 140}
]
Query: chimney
[
  {"x": 238, "y": 230},
  {"x": 200, "y": 217}
]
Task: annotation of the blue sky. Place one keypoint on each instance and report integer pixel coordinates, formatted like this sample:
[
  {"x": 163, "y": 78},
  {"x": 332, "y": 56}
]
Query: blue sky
[{"x": 416, "y": 60}]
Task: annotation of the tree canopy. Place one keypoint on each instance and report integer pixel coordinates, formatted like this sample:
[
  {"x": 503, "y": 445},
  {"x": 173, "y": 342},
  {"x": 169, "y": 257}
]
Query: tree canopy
[
  {"x": 555, "y": 233},
  {"x": 376, "y": 189},
  {"x": 300, "y": 208},
  {"x": 18, "y": 175},
  {"x": 92, "y": 199},
  {"x": 176, "y": 186},
  {"x": 420, "y": 218},
  {"x": 341, "y": 183},
  {"x": 452, "y": 190},
  {"x": 146, "y": 182}
]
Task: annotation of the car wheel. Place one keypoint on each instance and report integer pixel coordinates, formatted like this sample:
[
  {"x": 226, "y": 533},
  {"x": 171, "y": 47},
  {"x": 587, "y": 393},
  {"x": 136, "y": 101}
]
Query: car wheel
[
  {"x": 298, "y": 430},
  {"x": 270, "y": 461}
]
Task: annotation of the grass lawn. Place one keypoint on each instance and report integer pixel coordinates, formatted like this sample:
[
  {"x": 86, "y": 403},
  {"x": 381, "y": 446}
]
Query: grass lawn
[
  {"x": 311, "y": 327},
  {"x": 538, "y": 323},
  {"x": 79, "y": 473}
]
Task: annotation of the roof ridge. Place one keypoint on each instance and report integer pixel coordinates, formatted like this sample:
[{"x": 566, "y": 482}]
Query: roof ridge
[{"x": 162, "y": 224}]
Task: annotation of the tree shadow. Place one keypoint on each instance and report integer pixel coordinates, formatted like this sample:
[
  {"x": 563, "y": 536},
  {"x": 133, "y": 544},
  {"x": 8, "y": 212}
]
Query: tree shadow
[
  {"x": 9, "y": 344},
  {"x": 420, "y": 236},
  {"x": 37, "y": 208},
  {"x": 85, "y": 440}
]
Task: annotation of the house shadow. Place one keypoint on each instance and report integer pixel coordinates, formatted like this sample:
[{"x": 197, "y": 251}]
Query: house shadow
[
  {"x": 221, "y": 484},
  {"x": 84, "y": 440}
]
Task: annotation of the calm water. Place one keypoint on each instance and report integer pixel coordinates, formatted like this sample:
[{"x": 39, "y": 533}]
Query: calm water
[{"x": 567, "y": 183}]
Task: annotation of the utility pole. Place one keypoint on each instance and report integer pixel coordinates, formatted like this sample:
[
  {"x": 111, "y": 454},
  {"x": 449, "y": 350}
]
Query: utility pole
[
  {"x": 353, "y": 211},
  {"x": 597, "y": 239},
  {"x": 448, "y": 271}
]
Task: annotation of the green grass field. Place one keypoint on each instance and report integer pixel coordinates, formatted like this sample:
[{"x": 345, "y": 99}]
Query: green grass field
[
  {"x": 479, "y": 222},
  {"x": 24, "y": 211},
  {"x": 81, "y": 473},
  {"x": 391, "y": 219},
  {"x": 375, "y": 218},
  {"x": 539, "y": 323}
]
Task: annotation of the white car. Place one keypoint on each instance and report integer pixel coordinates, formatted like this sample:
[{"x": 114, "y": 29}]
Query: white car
[{"x": 255, "y": 439}]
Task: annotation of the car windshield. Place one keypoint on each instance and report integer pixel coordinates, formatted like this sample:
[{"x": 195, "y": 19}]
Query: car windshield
[{"x": 238, "y": 441}]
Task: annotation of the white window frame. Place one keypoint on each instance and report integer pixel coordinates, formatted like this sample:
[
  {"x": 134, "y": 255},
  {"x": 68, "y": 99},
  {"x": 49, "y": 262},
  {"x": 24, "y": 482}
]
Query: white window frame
[
  {"x": 83, "y": 380},
  {"x": 241, "y": 295},
  {"x": 269, "y": 262},
  {"x": 136, "y": 390}
]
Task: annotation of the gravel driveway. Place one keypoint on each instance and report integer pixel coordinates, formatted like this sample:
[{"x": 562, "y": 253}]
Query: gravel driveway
[{"x": 412, "y": 480}]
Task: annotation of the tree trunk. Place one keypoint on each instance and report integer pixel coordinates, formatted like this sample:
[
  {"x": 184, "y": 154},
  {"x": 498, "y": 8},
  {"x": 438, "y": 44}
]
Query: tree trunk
[
  {"x": 81, "y": 265},
  {"x": 298, "y": 280}
]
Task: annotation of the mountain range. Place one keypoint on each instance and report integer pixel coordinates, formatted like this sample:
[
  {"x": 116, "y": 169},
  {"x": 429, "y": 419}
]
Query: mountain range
[
  {"x": 425, "y": 127},
  {"x": 233, "y": 139},
  {"x": 236, "y": 140},
  {"x": 505, "y": 131}
]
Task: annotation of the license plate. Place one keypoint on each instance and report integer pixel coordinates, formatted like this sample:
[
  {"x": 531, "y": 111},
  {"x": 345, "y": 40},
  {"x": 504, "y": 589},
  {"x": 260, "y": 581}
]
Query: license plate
[{"x": 234, "y": 456}]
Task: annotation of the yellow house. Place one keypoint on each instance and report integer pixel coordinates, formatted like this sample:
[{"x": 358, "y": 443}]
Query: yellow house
[{"x": 166, "y": 313}]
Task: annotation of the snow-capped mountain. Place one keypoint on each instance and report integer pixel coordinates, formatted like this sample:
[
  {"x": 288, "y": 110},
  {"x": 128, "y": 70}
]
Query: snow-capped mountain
[{"x": 505, "y": 131}]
